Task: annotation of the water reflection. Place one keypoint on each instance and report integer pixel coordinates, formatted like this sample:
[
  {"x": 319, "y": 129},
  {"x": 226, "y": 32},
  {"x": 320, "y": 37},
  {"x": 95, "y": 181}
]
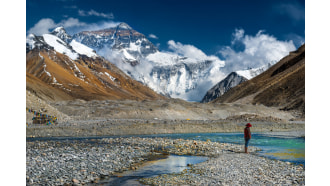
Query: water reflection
[{"x": 172, "y": 164}]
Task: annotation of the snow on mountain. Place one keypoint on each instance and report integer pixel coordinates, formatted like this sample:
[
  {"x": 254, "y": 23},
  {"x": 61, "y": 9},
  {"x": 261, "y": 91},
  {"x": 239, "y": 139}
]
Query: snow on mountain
[
  {"x": 251, "y": 73},
  {"x": 60, "y": 46},
  {"x": 233, "y": 79},
  {"x": 61, "y": 33},
  {"x": 82, "y": 49},
  {"x": 168, "y": 73},
  {"x": 53, "y": 40}
]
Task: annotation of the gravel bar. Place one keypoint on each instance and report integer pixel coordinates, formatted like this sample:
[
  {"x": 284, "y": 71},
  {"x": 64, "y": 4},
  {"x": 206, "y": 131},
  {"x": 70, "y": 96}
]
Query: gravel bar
[{"x": 81, "y": 162}]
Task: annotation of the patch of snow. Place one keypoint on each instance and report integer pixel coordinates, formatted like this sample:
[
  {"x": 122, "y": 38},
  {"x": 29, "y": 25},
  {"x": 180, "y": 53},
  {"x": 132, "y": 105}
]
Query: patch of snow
[
  {"x": 59, "y": 45},
  {"x": 134, "y": 47},
  {"x": 30, "y": 40},
  {"x": 245, "y": 73},
  {"x": 112, "y": 78},
  {"x": 128, "y": 56},
  {"x": 47, "y": 71},
  {"x": 162, "y": 58},
  {"x": 251, "y": 73},
  {"x": 82, "y": 49},
  {"x": 41, "y": 56}
]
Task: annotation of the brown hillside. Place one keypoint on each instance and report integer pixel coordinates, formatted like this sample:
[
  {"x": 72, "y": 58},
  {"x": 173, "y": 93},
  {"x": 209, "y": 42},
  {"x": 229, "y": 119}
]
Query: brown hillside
[
  {"x": 53, "y": 76},
  {"x": 282, "y": 85}
]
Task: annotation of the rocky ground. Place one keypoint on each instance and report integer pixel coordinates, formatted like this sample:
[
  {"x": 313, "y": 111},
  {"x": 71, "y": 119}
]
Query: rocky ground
[
  {"x": 105, "y": 118},
  {"x": 87, "y": 161},
  {"x": 81, "y": 162},
  {"x": 235, "y": 169}
]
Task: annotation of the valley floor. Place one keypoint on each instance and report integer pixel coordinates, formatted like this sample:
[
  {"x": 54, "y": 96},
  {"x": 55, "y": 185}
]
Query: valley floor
[
  {"x": 81, "y": 162},
  {"x": 115, "y": 127}
]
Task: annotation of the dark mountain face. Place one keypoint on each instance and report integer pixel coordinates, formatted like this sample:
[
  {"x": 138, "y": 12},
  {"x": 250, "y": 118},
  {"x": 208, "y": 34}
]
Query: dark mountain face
[{"x": 232, "y": 80}]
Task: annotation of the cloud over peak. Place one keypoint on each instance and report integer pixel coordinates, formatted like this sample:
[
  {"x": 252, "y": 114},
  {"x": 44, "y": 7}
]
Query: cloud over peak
[
  {"x": 72, "y": 25},
  {"x": 95, "y": 13},
  {"x": 153, "y": 36},
  {"x": 255, "y": 51}
]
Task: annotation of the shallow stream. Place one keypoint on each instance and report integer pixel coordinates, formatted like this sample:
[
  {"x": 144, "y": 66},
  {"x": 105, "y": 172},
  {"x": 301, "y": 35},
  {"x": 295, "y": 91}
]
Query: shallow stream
[
  {"x": 291, "y": 149},
  {"x": 170, "y": 164}
]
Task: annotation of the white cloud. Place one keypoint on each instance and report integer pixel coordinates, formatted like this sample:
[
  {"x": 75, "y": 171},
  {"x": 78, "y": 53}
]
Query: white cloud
[
  {"x": 258, "y": 50},
  {"x": 71, "y": 22},
  {"x": 72, "y": 25},
  {"x": 42, "y": 26},
  {"x": 95, "y": 13},
  {"x": 153, "y": 36},
  {"x": 190, "y": 51}
]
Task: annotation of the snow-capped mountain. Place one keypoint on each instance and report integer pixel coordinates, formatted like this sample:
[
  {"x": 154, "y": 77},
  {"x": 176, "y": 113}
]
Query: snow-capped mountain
[
  {"x": 232, "y": 80},
  {"x": 61, "y": 33},
  {"x": 64, "y": 69},
  {"x": 73, "y": 49},
  {"x": 177, "y": 76},
  {"x": 128, "y": 43}
]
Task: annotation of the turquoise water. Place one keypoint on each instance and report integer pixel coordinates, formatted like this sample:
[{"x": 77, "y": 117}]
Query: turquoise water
[{"x": 273, "y": 147}]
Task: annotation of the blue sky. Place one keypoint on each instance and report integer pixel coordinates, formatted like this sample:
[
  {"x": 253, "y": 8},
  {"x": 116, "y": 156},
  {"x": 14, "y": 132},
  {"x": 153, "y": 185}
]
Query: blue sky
[{"x": 208, "y": 25}]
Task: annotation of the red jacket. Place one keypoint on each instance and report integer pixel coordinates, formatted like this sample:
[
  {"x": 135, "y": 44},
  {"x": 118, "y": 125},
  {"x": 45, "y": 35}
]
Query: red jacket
[{"x": 247, "y": 133}]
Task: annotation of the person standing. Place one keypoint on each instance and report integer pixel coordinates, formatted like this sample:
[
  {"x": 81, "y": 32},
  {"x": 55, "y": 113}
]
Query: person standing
[{"x": 247, "y": 136}]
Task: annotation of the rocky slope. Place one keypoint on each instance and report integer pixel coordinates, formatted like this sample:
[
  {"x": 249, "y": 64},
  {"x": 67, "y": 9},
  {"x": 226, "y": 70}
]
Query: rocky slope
[
  {"x": 65, "y": 70},
  {"x": 282, "y": 85},
  {"x": 232, "y": 80}
]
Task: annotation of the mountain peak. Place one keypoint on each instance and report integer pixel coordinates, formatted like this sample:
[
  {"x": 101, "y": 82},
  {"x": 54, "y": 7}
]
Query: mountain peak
[
  {"x": 59, "y": 29},
  {"x": 61, "y": 33},
  {"x": 124, "y": 26}
]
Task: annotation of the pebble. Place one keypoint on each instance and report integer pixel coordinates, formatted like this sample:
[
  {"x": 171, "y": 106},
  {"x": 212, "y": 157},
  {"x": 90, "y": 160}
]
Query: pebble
[
  {"x": 235, "y": 169},
  {"x": 81, "y": 162}
]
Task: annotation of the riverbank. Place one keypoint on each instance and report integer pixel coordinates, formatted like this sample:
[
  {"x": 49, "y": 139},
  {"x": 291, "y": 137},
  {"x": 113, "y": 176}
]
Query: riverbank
[
  {"x": 87, "y": 161},
  {"x": 79, "y": 162},
  {"x": 117, "y": 127},
  {"x": 235, "y": 169}
]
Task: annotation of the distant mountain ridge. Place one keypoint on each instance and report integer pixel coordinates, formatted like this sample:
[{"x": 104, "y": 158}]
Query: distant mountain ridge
[
  {"x": 282, "y": 85},
  {"x": 64, "y": 69},
  {"x": 232, "y": 80},
  {"x": 166, "y": 73}
]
